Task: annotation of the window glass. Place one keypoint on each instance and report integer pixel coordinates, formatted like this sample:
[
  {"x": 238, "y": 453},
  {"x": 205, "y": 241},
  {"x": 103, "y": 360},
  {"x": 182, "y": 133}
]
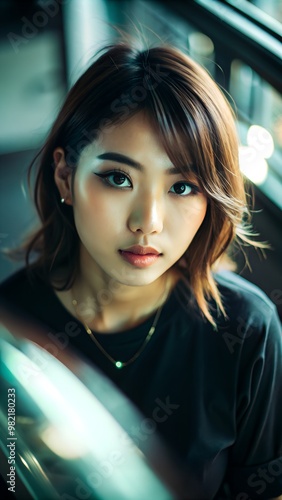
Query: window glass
[
  {"x": 259, "y": 111},
  {"x": 271, "y": 7},
  {"x": 258, "y": 106},
  {"x": 201, "y": 49}
]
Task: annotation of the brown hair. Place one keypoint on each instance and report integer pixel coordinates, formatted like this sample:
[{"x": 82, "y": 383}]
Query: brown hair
[{"x": 197, "y": 128}]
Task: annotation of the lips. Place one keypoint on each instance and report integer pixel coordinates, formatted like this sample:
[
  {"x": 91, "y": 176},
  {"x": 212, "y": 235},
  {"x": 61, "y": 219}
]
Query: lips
[
  {"x": 139, "y": 256},
  {"x": 139, "y": 250}
]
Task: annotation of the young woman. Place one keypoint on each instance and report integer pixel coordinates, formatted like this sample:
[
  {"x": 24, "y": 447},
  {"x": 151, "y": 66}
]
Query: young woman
[{"x": 140, "y": 195}]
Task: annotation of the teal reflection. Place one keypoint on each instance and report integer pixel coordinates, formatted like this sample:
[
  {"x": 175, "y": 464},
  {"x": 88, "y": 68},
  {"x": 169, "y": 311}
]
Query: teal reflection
[{"x": 68, "y": 443}]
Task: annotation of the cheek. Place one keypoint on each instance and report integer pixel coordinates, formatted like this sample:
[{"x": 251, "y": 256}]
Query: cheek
[
  {"x": 188, "y": 219},
  {"x": 98, "y": 215},
  {"x": 199, "y": 215},
  {"x": 95, "y": 211}
]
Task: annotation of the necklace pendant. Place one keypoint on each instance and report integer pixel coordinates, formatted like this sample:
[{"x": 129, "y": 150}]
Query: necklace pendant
[{"x": 119, "y": 364}]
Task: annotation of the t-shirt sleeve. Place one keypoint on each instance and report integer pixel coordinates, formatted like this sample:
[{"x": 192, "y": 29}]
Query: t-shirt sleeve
[{"x": 255, "y": 463}]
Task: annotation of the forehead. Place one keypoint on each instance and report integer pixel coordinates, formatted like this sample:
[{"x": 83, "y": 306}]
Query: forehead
[{"x": 135, "y": 137}]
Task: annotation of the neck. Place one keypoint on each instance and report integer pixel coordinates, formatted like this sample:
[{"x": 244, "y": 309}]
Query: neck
[{"x": 105, "y": 304}]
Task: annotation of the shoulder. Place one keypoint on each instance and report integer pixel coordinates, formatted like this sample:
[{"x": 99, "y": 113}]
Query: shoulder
[
  {"x": 16, "y": 280},
  {"x": 26, "y": 299},
  {"x": 21, "y": 288},
  {"x": 251, "y": 315},
  {"x": 241, "y": 296}
]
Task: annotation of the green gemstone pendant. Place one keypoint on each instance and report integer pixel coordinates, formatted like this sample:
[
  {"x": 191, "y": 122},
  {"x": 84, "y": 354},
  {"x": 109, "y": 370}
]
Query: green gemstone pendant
[{"x": 119, "y": 364}]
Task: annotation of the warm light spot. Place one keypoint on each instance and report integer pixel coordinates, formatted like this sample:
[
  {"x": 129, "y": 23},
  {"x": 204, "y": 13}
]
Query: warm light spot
[
  {"x": 62, "y": 442},
  {"x": 252, "y": 164},
  {"x": 260, "y": 139},
  {"x": 200, "y": 44},
  {"x": 24, "y": 462}
]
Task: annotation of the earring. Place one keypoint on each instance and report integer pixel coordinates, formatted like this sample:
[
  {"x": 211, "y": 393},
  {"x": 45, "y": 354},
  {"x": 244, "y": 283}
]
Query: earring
[{"x": 62, "y": 200}]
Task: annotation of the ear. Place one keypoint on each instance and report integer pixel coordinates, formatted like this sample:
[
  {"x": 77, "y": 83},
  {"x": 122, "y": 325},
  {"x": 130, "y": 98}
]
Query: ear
[{"x": 62, "y": 175}]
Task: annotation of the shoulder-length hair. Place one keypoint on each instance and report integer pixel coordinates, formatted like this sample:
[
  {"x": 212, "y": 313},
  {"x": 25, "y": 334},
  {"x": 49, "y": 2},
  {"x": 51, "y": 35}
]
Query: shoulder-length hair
[{"x": 196, "y": 125}]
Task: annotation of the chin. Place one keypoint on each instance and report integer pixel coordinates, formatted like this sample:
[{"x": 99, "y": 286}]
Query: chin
[{"x": 139, "y": 277}]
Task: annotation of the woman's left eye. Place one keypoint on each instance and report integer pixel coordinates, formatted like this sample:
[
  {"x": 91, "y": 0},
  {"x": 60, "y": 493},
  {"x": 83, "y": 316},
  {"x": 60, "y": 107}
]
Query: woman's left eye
[{"x": 184, "y": 189}]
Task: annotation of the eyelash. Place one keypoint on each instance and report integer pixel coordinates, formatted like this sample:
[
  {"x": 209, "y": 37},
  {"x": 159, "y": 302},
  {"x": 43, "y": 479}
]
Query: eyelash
[{"x": 105, "y": 178}]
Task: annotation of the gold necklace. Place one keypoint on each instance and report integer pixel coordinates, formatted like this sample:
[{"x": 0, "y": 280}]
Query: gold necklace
[{"x": 120, "y": 364}]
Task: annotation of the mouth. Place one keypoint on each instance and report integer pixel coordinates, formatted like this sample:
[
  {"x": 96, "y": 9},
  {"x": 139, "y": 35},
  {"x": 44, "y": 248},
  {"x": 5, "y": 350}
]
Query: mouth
[
  {"x": 139, "y": 256},
  {"x": 139, "y": 250}
]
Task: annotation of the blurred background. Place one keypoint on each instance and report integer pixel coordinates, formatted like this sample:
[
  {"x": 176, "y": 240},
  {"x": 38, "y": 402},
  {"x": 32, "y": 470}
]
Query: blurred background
[{"x": 46, "y": 44}]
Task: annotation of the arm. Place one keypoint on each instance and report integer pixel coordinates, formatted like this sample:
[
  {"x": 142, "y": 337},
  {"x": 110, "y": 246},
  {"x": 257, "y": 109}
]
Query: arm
[{"x": 255, "y": 458}]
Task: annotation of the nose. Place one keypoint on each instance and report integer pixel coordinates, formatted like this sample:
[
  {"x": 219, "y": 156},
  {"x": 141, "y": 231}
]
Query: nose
[{"x": 147, "y": 215}]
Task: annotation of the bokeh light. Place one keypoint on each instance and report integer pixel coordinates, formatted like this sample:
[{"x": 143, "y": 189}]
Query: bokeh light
[{"x": 252, "y": 164}]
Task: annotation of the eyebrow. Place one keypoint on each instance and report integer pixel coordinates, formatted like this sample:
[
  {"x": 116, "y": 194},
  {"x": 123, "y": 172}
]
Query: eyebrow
[{"x": 119, "y": 158}]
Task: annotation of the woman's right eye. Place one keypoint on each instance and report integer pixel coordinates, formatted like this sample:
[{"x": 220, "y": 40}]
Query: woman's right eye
[{"x": 116, "y": 178}]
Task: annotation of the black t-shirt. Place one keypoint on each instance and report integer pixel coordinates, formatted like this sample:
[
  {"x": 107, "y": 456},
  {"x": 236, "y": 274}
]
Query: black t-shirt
[{"x": 215, "y": 396}]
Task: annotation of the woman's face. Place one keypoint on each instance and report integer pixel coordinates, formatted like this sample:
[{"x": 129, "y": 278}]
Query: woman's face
[{"x": 128, "y": 197}]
